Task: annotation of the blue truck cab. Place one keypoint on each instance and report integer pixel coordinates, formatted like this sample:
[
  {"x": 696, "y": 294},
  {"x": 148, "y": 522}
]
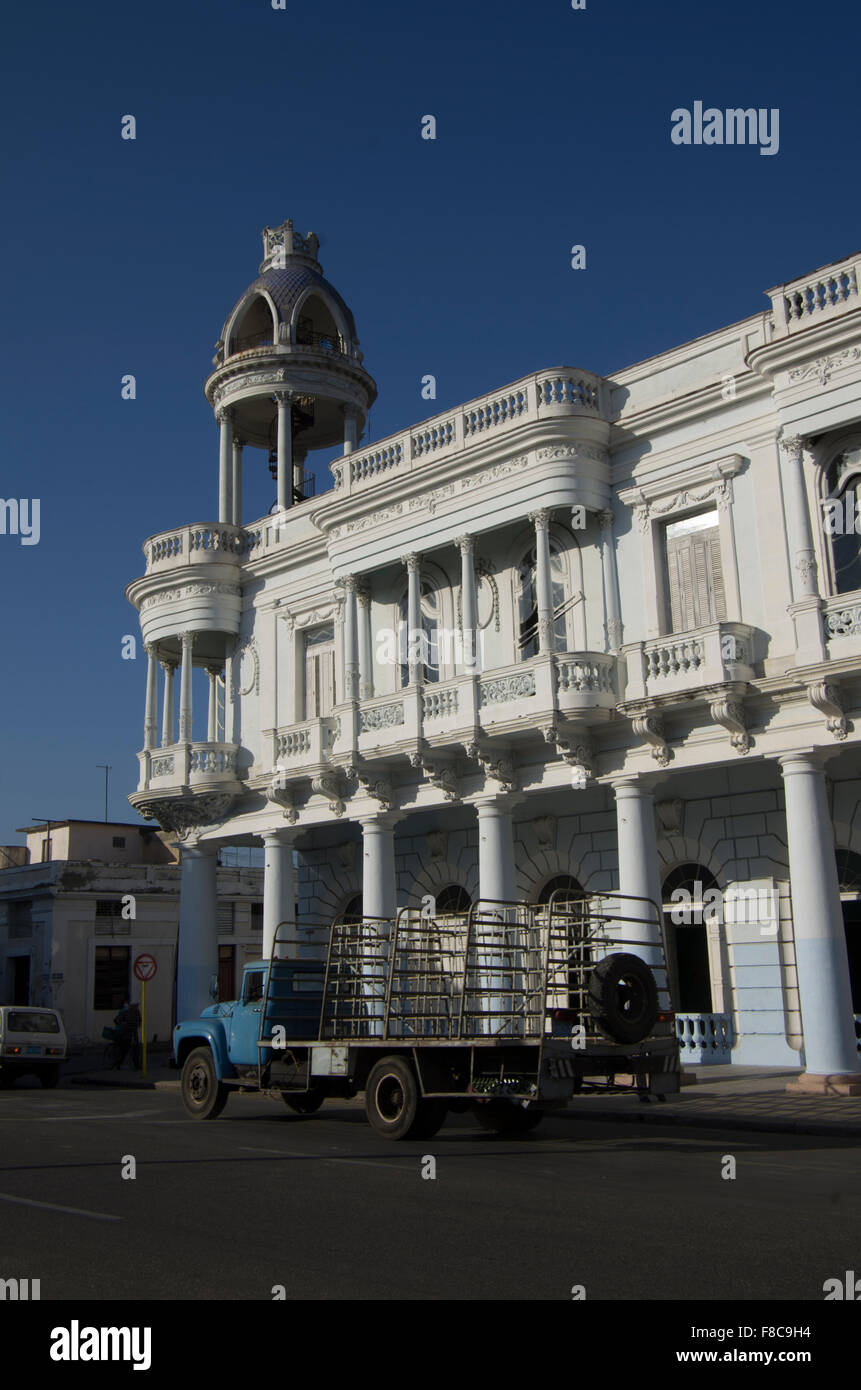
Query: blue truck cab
[{"x": 241, "y": 1040}]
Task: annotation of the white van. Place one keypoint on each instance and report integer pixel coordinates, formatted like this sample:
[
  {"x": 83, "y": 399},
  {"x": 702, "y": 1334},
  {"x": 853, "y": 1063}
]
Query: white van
[{"x": 31, "y": 1040}]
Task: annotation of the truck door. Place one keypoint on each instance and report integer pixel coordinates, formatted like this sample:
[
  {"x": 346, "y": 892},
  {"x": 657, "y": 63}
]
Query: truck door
[{"x": 244, "y": 1023}]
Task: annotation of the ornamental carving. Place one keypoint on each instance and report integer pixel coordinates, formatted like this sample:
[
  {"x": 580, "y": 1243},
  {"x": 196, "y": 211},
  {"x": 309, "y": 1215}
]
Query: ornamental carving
[
  {"x": 588, "y": 451},
  {"x": 383, "y": 717},
  {"x": 651, "y": 728},
  {"x": 183, "y": 815},
  {"x": 329, "y": 784},
  {"x": 249, "y": 669},
  {"x": 490, "y": 475},
  {"x": 829, "y": 701},
  {"x": 730, "y": 715},
  {"x": 503, "y": 689},
  {"x": 283, "y": 794},
  {"x": 189, "y": 591},
  {"x": 824, "y": 366},
  {"x": 243, "y": 379}
]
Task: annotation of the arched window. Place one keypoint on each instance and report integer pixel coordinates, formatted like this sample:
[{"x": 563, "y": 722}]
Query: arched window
[
  {"x": 351, "y": 913},
  {"x": 527, "y": 600},
  {"x": 254, "y": 327},
  {"x": 562, "y": 884},
  {"x": 687, "y": 936},
  {"x": 315, "y": 326},
  {"x": 849, "y": 873},
  {"x": 453, "y": 901},
  {"x": 840, "y": 506},
  {"x": 430, "y": 606}
]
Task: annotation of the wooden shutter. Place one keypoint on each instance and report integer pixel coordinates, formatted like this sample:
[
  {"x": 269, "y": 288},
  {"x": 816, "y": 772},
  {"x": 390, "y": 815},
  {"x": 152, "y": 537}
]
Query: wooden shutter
[{"x": 695, "y": 575}]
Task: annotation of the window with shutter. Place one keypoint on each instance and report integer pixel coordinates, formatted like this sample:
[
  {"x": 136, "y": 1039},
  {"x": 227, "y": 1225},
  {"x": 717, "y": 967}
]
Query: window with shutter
[{"x": 694, "y": 572}]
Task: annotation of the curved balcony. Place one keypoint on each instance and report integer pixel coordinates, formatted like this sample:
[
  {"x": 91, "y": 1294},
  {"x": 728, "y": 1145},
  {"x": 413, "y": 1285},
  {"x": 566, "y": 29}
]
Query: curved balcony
[{"x": 187, "y": 784}]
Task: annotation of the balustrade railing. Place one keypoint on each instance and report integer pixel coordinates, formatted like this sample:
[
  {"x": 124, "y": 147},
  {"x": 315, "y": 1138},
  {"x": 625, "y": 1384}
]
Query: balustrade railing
[
  {"x": 704, "y": 1038},
  {"x": 804, "y": 302}
]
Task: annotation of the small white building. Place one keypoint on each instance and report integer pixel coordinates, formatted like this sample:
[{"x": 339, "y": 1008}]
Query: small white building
[
  {"x": 584, "y": 629},
  {"x": 88, "y": 898}
]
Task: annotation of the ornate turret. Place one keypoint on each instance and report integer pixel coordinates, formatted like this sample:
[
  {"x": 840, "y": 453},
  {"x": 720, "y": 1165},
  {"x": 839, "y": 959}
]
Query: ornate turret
[{"x": 289, "y": 375}]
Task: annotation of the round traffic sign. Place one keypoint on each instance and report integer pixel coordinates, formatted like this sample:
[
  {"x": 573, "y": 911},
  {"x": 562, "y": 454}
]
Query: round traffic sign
[{"x": 145, "y": 967}]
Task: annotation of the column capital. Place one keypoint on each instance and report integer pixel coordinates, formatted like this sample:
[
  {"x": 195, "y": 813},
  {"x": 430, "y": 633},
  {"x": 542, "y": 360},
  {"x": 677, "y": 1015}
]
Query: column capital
[
  {"x": 540, "y": 518},
  {"x": 187, "y": 638},
  {"x": 605, "y": 517},
  {"x": 350, "y": 583},
  {"x": 466, "y": 543},
  {"x": 792, "y": 445},
  {"x": 214, "y": 671},
  {"x": 168, "y": 664},
  {"x": 380, "y": 820},
  {"x": 630, "y": 785},
  {"x": 412, "y": 560},
  {"x": 804, "y": 760},
  {"x": 363, "y": 592},
  {"x": 151, "y": 649},
  {"x": 224, "y": 414},
  {"x": 282, "y": 398},
  {"x": 279, "y": 837}
]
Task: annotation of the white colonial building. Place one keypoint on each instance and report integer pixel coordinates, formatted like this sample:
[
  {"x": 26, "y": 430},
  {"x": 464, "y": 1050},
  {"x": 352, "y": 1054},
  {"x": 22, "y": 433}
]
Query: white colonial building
[{"x": 584, "y": 630}]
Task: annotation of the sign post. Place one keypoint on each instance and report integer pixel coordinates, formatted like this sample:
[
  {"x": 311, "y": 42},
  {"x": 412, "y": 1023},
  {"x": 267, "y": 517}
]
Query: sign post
[{"x": 145, "y": 968}]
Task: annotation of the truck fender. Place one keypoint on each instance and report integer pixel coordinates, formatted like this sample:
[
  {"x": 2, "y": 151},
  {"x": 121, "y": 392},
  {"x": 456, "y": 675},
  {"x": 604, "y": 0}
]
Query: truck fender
[{"x": 203, "y": 1033}]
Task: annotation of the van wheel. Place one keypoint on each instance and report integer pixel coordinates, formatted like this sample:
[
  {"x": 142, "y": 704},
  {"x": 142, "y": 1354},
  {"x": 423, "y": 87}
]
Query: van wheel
[
  {"x": 203, "y": 1095},
  {"x": 504, "y": 1117},
  {"x": 304, "y": 1102},
  {"x": 623, "y": 997},
  {"x": 394, "y": 1105},
  {"x": 49, "y": 1076}
]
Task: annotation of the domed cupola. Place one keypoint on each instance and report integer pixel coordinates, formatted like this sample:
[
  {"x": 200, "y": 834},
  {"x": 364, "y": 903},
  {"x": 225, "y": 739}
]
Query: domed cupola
[{"x": 289, "y": 377}]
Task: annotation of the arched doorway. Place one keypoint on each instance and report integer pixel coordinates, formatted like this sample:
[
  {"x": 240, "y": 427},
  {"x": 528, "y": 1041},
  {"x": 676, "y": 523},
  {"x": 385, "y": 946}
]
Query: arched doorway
[
  {"x": 453, "y": 901},
  {"x": 687, "y": 937},
  {"x": 564, "y": 885},
  {"x": 849, "y": 877},
  {"x": 351, "y": 912}
]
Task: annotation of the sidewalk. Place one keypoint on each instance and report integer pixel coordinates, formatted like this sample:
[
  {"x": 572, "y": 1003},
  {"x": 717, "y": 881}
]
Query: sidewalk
[
  {"x": 724, "y": 1097},
  {"x": 729, "y": 1097}
]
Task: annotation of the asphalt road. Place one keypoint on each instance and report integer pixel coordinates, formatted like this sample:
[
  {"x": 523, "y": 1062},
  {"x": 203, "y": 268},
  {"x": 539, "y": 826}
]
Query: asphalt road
[{"x": 323, "y": 1207}]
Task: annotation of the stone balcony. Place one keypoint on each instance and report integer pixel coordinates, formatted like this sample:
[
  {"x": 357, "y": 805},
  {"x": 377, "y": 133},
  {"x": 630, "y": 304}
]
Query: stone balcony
[
  {"x": 550, "y": 395},
  {"x": 580, "y": 687},
  {"x": 813, "y": 299},
  {"x": 187, "y": 784},
  {"x": 686, "y": 662}
]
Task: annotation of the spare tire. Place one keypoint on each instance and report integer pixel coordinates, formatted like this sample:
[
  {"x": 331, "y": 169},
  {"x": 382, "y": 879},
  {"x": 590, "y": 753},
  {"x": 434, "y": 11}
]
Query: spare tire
[{"x": 623, "y": 997}]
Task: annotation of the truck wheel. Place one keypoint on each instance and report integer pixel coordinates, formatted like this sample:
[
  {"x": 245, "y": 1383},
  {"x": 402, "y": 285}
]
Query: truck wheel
[
  {"x": 304, "y": 1102},
  {"x": 49, "y": 1076},
  {"x": 393, "y": 1103},
  {"x": 203, "y": 1095},
  {"x": 623, "y": 997},
  {"x": 504, "y": 1117}
]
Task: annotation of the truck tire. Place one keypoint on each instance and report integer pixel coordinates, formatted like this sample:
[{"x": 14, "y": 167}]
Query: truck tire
[
  {"x": 394, "y": 1105},
  {"x": 203, "y": 1095},
  {"x": 304, "y": 1102},
  {"x": 623, "y": 997},
  {"x": 504, "y": 1117},
  {"x": 49, "y": 1076}
]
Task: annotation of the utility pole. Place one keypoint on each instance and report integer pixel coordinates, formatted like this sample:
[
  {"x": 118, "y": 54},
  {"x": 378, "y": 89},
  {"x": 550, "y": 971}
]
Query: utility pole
[
  {"x": 47, "y": 842},
  {"x": 107, "y": 767}
]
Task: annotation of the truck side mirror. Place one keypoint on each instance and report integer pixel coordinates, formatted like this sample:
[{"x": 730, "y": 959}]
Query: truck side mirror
[{"x": 213, "y": 988}]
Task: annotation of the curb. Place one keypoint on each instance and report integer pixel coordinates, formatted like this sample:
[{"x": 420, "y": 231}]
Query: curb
[
  {"x": 102, "y": 1079},
  {"x": 652, "y": 1116}
]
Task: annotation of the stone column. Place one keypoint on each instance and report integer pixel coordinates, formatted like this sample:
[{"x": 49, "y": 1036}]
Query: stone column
[
  {"x": 543, "y": 584},
  {"x": 639, "y": 874},
  {"x": 229, "y": 718},
  {"x": 351, "y": 640},
  {"x": 611, "y": 583},
  {"x": 468, "y": 603},
  {"x": 212, "y": 720},
  {"x": 351, "y": 426},
  {"x": 225, "y": 465},
  {"x": 185, "y": 707},
  {"x": 830, "y": 1053},
  {"x": 366, "y": 643},
  {"x": 237, "y": 481},
  {"x": 279, "y": 889},
  {"x": 799, "y": 535},
  {"x": 151, "y": 708},
  {"x": 379, "y": 884},
  {"x": 496, "y": 878},
  {"x": 197, "y": 940},
  {"x": 285, "y": 450},
  {"x": 496, "y": 886},
  {"x": 167, "y": 725},
  {"x": 415, "y": 630}
]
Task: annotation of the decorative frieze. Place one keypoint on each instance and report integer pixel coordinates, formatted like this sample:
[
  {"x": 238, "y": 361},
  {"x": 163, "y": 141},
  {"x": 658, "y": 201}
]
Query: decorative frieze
[
  {"x": 381, "y": 717},
  {"x": 822, "y": 368},
  {"x": 503, "y": 689}
]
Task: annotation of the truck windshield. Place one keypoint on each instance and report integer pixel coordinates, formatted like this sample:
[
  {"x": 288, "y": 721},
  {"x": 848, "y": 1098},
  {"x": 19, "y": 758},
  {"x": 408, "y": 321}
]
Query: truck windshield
[{"x": 23, "y": 1021}]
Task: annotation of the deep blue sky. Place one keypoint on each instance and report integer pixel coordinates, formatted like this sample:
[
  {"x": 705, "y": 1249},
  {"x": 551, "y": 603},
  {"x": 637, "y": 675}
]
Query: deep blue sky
[{"x": 553, "y": 128}]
